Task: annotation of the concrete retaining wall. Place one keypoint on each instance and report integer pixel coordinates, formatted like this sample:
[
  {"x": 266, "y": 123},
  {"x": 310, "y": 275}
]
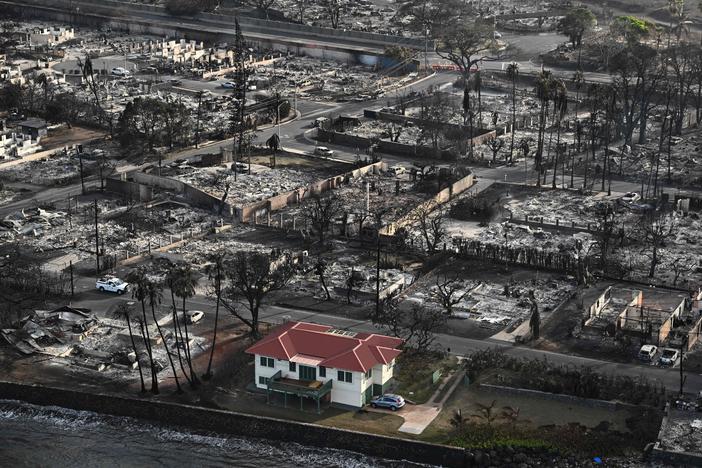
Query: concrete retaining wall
[{"x": 238, "y": 424}]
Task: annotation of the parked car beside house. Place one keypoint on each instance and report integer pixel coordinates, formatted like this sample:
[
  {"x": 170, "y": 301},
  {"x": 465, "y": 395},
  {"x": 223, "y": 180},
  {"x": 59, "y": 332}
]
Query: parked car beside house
[{"x": 390, "y": 401}]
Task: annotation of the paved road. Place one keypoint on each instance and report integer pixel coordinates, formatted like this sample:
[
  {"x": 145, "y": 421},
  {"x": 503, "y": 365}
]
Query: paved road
[{"x": 102, "y": 303}]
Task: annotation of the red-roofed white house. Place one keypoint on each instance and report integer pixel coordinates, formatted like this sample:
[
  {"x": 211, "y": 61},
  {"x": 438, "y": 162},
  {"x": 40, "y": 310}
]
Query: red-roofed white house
[{"x": 311, "y": 360}]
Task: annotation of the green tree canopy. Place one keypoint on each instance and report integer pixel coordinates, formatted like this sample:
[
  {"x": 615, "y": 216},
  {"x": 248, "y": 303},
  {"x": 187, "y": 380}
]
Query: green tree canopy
[{"x": 576, "y": 23}]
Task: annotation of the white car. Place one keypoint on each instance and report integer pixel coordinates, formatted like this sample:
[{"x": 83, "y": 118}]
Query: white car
[
  {"x": 669, "y": 357},
  {"x": 647, "y": 353},
  {"x": 397, "y": 170},
  {"x": 194, "y": 316},
  {"x": 323, "y": 151},
  {"x": 631, "y": 197},
  {"x": 497, "y": 35},
  {"x": 119, "y": 71},
  {"x": 228, "y": 85},
  {"x": 111, "y": 284}
]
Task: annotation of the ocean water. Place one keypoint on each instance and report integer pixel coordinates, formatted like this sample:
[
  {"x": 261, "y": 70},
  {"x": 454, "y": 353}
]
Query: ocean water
[{"x": 36, "y": 436}]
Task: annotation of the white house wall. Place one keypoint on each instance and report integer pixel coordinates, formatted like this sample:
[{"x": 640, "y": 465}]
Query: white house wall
[{"x": 344, "y": 393}]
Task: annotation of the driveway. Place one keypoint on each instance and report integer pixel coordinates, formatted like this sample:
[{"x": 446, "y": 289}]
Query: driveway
[{"x": 418, "y": 417}]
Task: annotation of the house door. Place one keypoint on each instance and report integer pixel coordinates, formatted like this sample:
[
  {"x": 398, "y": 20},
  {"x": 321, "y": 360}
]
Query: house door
[
  {"x": 368, "y": 395},
  {"x": 308, "y": 373}
]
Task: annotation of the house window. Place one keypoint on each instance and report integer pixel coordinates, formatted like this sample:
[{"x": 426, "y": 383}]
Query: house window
[
  {"x": 267, "y": 362},
  {"x": 263, "y": 380},
  {"x": 369, "y": 374},
  {"x": 322, "y": 371},
  {"x": 344, "y": 376},
  {"x": 293, "y": 367}
]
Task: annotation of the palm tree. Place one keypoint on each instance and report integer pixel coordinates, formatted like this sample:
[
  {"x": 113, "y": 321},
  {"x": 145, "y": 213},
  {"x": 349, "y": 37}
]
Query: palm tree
[
  {"x": 172, "y": 276},
  {"x": 155, "y": 293},
  {"x": 124, "y": 312},
  {"x": 184, "y": 288},
  {"x": 560, "y": 107},
  {"x": 543, "y": 94},
  {"x": 578, "y": 81},
  {"x": 512, "y": 73},
  {"x": 215, "y": 273},
  {"x": 140, "y": 291}
]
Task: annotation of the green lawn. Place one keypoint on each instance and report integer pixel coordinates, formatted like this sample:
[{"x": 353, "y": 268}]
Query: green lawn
[{"x": 413, "y": 375}]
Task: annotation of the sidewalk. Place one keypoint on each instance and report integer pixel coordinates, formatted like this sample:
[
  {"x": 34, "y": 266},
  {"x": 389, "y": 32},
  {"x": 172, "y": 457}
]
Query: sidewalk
[{"x": 418, "y": 417}]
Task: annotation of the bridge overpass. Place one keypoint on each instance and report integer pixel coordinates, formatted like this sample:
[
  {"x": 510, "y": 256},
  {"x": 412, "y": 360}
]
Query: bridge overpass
[{"x": 328, "y": 43}]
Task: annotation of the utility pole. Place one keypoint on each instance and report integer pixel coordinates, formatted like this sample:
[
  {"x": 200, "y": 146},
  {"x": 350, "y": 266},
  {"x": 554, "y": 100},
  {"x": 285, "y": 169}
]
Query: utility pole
[
  {"x": 197, "y": 128},
  {"x": 97, "y": 240},
  {"x": 426, "y": 51},
  {"x": 70, "y": 269},
  {"x": 70, "y": 220},
  {"x": 377, "y": 279},
  {"x": 80, "y": 162},
  {"x": 683, "y": 377},
  {"x": 277, "y": 110}
]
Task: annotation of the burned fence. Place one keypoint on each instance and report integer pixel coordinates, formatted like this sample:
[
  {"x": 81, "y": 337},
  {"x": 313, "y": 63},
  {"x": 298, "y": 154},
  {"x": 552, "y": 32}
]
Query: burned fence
[{"x": 530, "y": 257}]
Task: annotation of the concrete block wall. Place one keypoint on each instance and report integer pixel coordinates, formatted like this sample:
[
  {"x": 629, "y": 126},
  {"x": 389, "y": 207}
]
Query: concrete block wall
[
  {"x": 146, "y": 183},
  {"x": 439, "y": 199}
]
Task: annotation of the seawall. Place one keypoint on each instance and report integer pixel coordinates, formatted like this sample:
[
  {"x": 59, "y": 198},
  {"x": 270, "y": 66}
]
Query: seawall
[{"x": 237, "y": 424}]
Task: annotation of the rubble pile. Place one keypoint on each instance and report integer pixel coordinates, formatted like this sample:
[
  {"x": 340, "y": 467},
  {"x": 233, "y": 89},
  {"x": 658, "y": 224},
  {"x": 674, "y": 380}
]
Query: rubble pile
[
  {"x": 85, "y": 340},
  {"x": 409, "y": 135},
  {"x": 515, "y": 235},
  {"x": 262, "y": 183},
  {"x": 349, "y": 270},
  {"x": 361, "y": 197},
  {"x": 551, "y": 205},
  {"x": 364, "y": 15},
  {"x": 7, "y": 196},
  {"x": 685, "y": 159},
  {"x": 321, "y": 80},
  {"x": 195, "y": 252},
  {"x": 492, "y": 304},
  {"x": 60, "y": 169}
]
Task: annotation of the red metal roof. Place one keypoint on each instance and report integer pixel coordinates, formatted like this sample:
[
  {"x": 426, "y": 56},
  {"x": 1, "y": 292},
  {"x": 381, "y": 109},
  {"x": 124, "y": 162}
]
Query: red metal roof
[{"x": 351, "y": 352}]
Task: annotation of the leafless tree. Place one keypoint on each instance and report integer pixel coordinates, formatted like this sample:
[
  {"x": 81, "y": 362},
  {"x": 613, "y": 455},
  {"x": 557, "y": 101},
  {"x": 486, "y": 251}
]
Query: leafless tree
[
  {"x": 682, "y": 264},
  {"x": 250, "y": 277},
  {"x": 495, "y": 146},
  {"x": 436, "y": 111},
  {"x": 334, "y": 8},
  {"x": 656, "y": 229},
  {"x": 429, "y": 218},
  {"x": 320, "y": 269},
  {"x": 263, "y": 5},
  {"x": 321, "y": 214},
  {"x": 417, "y": 326},
  {"x": 449, "y": 291},
  {"x": 605, "y": 232}
]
